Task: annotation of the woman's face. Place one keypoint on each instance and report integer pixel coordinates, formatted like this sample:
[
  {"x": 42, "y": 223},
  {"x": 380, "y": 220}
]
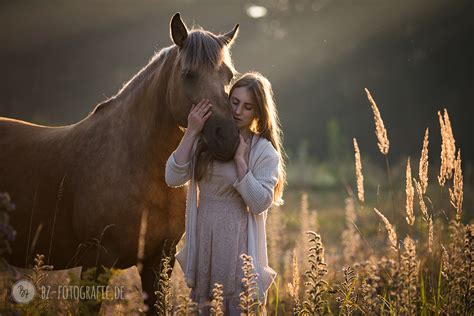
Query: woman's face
[{"x": 243, "y": 107}]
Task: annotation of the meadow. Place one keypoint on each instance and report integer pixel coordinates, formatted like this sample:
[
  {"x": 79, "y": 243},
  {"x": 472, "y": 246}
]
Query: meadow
[
  {"x": 393, "y": 241},
  {"x": 354, "y": 237}
]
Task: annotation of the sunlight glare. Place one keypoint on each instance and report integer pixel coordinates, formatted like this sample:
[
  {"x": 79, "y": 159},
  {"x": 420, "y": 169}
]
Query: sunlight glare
[{"x": 256, "y": 11}]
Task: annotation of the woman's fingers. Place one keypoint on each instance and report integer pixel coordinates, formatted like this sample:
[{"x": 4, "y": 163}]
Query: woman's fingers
[
  {"x": 207, "y": 115},
  {"x": 204, "y": 108},
  {"x": 201, "y": 112},
  {"x": 198, "y": 106}
]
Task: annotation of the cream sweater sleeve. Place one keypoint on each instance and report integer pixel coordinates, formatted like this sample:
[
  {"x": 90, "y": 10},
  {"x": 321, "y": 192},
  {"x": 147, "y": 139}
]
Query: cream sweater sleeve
[
  {"x": 177, "y": 175},
  {"x": 258, "y": 184}
]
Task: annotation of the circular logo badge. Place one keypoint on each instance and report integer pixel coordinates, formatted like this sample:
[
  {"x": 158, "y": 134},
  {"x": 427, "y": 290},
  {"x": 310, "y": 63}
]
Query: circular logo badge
[{"x": 23, "y": 291}]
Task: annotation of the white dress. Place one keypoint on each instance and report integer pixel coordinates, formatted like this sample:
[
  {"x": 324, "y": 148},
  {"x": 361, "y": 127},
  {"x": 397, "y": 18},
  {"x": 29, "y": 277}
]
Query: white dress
[
  {"x": 222, "y": 222},
  {"x": 227, "y": 226}
]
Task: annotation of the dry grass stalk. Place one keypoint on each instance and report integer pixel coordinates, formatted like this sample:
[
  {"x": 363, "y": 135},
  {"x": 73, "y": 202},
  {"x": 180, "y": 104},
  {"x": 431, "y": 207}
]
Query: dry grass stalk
[
  {"x": 369, "y": 285},
  {"x": 369, "y": 297},
  {"x": 359, "y": 175},
  {"x": 217, "y": 300},
  {"x": 287, "y": 266},
  {"x": 445, "y": 265},
  {"x": 313, "y": 219},
  {"x": 380, "y": 130},
  {"x": 389, "y": 272},
  {"x": 423, "y": 208},
  {"x": 448, "y": 148},
  {"x": 164, "y": 293},
  {"x": 178, "y": 283},
  {"x": 141, "y": 239},
  {"x": 40, "y": 270},
  {"x": 351, "y": 241},
  {"x": 453, "y": 272},
  {"x": 294, "y": 286},
  {"x": 316, "y": 286},
  {"x": 248, "y": 299},
  {"x": 424, "y": 211},
  {"x": 392, "y": 235},
  {"x": 409, "y": 276},
  {"x": 305, "y": 220},
  {"x": 185, "y": 307},
  {"x": 347, "y": 291},
  {"x": 423, "y": 167},
  {"x": 38, "y": 306},
  {"x": 379, "y": 283},
  {"x": 430, "y": 235},
  {"x": 446, "y": 273},
  {"x": 468, "y": 296},
  {"x": 275, "y": 232},
  {"x": 410, "y": 192},
  {"x": 456, "y": 193}
]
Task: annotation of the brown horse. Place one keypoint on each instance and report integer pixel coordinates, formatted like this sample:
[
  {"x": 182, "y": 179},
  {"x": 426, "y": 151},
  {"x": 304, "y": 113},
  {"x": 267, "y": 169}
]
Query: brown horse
[{"x": 71, "y": 182}]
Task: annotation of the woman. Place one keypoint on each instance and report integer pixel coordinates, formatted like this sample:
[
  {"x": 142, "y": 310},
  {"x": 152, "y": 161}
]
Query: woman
[{"x": 233, "y": 196}]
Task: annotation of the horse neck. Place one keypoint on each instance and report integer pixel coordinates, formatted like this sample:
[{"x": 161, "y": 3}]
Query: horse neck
[{"x": 152, "y": 130}]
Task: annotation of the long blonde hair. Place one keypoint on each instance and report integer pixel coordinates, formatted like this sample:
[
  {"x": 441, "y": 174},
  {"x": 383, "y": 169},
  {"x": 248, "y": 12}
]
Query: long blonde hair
[{"x": 267, "y": 124}]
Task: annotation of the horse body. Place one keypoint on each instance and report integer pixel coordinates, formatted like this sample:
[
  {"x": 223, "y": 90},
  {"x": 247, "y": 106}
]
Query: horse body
[
  {"x": 30, "y": 167},
  {"x": 89, "y": 175},
  {"x": 70, "y": 183}
]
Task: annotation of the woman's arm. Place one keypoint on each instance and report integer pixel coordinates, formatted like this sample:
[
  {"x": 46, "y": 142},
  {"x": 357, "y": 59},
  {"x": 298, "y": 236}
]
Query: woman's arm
[
  {"x": 257, "y": 185},
  {"x": 178, "y": 170},
  {"x": 178, "y": 166},
  {"x": 182, "y": 154}
]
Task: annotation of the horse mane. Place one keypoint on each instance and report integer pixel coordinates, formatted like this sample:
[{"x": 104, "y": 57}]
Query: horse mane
[
  {"x": 138, "y": 79},
  {"x": 201, "y": 49}
]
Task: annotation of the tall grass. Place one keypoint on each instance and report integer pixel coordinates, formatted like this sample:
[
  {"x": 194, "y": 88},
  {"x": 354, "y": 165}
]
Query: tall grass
[
  {"x": 421, "y": 265},
  {"x": 411, "y": 274}
]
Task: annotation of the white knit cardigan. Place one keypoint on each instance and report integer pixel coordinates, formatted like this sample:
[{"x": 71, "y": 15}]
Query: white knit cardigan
[{"x": 256, "y": 189}]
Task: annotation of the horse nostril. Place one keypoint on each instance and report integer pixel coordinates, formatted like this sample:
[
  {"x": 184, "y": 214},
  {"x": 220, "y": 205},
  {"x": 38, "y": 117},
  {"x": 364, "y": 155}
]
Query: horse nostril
[{"x": 218, "y": 132}]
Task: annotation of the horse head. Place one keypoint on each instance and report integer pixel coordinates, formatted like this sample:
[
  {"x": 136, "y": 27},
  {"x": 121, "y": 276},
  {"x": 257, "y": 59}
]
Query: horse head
[{"x": 203, "y": 69}]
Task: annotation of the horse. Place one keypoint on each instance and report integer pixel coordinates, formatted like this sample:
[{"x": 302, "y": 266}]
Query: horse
[{"x": 84, "y": 192}]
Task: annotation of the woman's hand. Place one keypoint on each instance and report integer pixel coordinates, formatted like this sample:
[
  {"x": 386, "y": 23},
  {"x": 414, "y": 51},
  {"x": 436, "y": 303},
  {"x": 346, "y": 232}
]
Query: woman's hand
[
  {"x": 243, "y": 150},
  {"x": 241, "y": 157},
  {"x": 198, "y": 116}
]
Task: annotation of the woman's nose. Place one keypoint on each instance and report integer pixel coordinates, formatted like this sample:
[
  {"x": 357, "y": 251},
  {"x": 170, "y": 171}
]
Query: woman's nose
[{"x": 237, "y": 109}]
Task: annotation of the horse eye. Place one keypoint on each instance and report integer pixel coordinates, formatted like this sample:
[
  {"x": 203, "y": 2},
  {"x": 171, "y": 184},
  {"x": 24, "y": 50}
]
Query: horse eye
[{"x": 189, "y": 75}]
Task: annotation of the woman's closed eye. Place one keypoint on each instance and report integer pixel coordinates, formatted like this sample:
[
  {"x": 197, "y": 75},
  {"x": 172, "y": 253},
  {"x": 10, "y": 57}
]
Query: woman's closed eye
[{"x": 236, "y": 102}]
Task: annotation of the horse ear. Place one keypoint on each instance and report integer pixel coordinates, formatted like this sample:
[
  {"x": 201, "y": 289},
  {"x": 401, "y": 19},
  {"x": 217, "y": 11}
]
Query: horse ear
[
  {"x": 179, "y": 31},
  {"x": 229, "y": 37}
]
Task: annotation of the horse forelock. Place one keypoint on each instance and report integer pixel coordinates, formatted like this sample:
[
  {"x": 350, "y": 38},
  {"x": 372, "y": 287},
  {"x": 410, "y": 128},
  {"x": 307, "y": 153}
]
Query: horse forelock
[{"x": 203, "y": 49}]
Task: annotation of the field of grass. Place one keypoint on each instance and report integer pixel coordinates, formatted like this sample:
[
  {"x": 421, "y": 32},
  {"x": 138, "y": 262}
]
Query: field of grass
[
  {"x": 389, "y": 241},
  {"x": 400, "y": 245}
]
